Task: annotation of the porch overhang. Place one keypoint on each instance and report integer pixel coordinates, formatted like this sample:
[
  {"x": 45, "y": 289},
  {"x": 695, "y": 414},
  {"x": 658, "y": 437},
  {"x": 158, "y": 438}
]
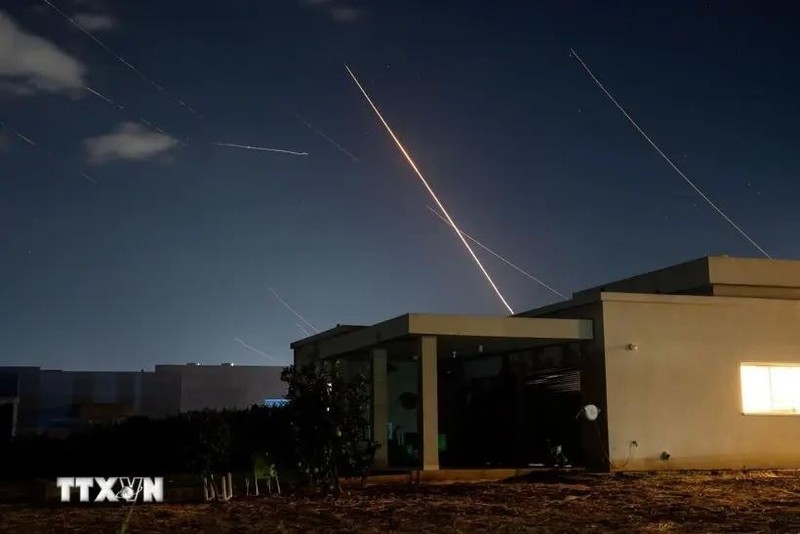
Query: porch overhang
[{"x": 467, "y": 326}]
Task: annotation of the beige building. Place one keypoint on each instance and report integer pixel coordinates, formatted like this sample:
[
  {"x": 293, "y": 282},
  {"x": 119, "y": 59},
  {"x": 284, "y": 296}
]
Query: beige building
[{"x": 696, "y": 366}]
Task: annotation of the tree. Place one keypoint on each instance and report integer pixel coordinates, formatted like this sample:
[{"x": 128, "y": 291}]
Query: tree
[{"x": 328, "y": 417}]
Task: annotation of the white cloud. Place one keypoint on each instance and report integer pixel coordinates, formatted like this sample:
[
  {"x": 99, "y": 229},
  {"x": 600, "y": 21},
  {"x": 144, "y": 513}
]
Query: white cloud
[
  {"x": 345, "y": 13},
  {"x": 28, "y": 60},
  {"x": 130, "y": 141},
  {"x": 95, "y": 21}
]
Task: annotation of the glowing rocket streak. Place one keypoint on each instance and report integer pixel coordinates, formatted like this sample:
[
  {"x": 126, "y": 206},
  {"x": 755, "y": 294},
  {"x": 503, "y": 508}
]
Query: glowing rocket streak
[
  {"x": 667, "y": 159},
  {"x": 294, "y": 312},
  {"x": 430, "y": 190},
  {"x": 252, "y": 349},
  {"x": 501, "y": 258},
  {"x": 248, "y": 147}
]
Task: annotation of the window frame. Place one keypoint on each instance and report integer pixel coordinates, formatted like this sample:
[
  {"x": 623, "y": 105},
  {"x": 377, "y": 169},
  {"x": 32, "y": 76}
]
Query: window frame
[{"x": 768, "y": 365}]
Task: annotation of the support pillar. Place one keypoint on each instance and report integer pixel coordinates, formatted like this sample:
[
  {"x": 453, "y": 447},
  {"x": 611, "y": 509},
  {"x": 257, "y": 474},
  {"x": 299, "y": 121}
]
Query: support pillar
[
  {"x": 430, "y": 403},
  {"x": 380, "y": 406}
]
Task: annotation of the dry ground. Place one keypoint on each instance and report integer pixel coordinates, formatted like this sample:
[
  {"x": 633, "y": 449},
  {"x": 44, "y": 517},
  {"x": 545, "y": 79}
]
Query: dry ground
[{"x": 730, "y": 502}]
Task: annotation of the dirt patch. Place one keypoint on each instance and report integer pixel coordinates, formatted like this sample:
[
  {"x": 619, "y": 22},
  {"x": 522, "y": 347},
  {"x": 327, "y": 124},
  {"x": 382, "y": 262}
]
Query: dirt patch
[{"x": 735, "y": 502}]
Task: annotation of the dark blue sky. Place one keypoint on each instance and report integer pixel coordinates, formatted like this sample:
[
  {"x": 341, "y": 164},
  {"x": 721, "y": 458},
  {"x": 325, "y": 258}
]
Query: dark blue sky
[{"x": 169, "y": 256}]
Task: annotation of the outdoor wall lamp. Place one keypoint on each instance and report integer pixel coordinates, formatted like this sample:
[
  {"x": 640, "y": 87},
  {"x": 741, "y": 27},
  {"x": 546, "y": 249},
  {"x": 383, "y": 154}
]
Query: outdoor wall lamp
[{"x": 631, "y": 346}]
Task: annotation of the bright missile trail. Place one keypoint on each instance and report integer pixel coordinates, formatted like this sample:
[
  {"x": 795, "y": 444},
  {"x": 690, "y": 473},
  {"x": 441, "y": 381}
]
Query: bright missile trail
[
  {"x": 667, "y": 159},
  {"x": 501, "y": 258},
  {"x": 431, "y": 192}
]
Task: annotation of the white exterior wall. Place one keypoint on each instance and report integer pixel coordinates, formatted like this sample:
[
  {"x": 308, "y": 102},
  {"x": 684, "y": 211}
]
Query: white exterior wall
[{"x": 680, "y": 392}]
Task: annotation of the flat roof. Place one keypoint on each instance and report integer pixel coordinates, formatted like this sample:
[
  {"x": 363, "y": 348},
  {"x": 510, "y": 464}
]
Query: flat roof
[
  {"x": 336, "y": 331},
  {"x": 701, "y": 277},
  {"x": 705, "y": 272},
  {"x": 418, "y": 324}
]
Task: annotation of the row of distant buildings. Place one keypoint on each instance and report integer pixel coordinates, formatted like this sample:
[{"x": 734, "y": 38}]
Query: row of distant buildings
[{"x": 39, "y": 400}]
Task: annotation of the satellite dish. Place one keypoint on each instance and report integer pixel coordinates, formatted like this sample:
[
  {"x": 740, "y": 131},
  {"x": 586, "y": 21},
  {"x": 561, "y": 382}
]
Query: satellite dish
[{"x": 589, "y": 412}]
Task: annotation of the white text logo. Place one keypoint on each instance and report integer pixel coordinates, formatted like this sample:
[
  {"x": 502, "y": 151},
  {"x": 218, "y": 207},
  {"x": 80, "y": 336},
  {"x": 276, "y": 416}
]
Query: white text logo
[{"x": 112, "y": 489}]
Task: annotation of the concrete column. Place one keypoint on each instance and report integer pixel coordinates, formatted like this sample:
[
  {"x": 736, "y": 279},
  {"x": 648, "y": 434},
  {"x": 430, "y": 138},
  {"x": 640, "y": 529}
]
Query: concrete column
[
  {"x": 430, "y": 403},
  {"x": 380, "y": 406}
]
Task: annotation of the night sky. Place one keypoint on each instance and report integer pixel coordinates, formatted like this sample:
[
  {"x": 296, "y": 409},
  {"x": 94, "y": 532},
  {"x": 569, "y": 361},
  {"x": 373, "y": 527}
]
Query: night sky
[{"x": 169, "y": 257}]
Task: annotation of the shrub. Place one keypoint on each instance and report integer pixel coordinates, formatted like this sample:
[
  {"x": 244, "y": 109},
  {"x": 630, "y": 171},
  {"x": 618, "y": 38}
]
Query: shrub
[{"x": 328, "y": 418}]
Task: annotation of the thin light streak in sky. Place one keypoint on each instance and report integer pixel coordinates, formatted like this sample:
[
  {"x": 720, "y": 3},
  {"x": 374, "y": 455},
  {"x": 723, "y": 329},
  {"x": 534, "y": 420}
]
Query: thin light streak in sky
[
  {"x": 143, "y": 121},
  {"x": 120, "y": 58},
  {"x": 501, "y": 258},
  {"x": 103, "y": 97},
  {"x": 253, "y": 349},
  {"x": 49, "y": 154},
  {"x": 25, "y": 139},
  {"x": 87, "y": 177},
  {"x": 264, "y": 149},
  {"x": 323, "y": 135},
  {"x": 294, "y": 312},
  {"x": 667, "y": 159},
  {"x": 303, "y": 329},
  {"x": 430, "y": 191},
  {"x": 8, "y": 127}
]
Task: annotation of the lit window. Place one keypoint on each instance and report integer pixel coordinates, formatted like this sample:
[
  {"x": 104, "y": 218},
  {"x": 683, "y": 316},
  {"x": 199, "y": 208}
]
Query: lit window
[{"x": 770, "y": 389}]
